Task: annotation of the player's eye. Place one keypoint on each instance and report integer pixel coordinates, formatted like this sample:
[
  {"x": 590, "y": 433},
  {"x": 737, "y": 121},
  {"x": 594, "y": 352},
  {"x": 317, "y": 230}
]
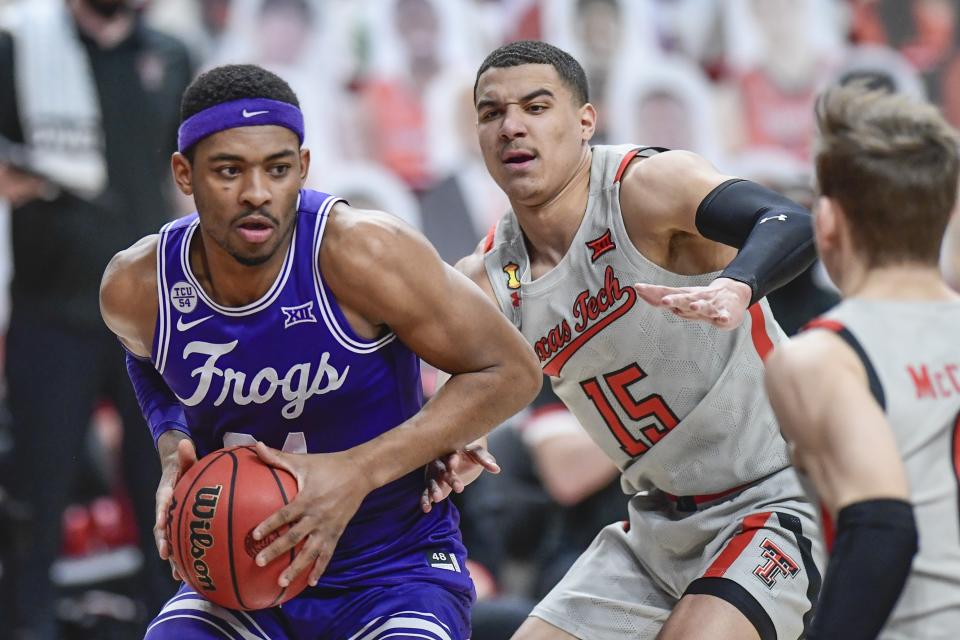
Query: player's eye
[
  {"x": 229, "y": 172},
  {"x": 488, "y": 115},
  {"x": 537, "y": 108},
  {"x": 280, "y": 170}
]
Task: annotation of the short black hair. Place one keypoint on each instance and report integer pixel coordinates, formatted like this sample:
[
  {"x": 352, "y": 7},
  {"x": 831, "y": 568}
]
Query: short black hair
[
  {"x": 537, "y": 52},
  {"x": 234, "y": 82}
]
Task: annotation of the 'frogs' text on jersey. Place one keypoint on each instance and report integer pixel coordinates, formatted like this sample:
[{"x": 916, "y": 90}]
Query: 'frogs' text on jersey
[
  {"x": 911, "y": 354},
  {"x": 678, "y": 405},
  {"x": 288, "y": 370}
]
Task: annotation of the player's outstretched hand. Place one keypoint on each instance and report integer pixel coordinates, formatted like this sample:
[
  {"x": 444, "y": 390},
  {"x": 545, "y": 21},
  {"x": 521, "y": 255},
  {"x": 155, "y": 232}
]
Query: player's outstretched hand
[
  {"x": 455, "y": 471},
  {"x": 331, "y": 487},
  {"x": 722, "y": 303},
  {"x": 173, "y": 465}
]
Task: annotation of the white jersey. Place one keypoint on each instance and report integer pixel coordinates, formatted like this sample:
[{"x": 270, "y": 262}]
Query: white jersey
[
  {"x": 678, "y": 405},
  {"x": 912, "y": 356}
]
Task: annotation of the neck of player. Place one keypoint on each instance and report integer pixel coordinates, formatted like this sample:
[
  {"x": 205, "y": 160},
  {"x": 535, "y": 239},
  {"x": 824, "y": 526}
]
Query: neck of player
[
  {"x": 227, "y": 281},
  {"x": 909, "y": 281},
  {"x": 549, "y": 227}
]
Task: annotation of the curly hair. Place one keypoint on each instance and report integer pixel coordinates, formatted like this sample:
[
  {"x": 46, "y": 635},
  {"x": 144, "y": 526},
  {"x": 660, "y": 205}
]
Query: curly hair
[{"x": 234, "y": 82}]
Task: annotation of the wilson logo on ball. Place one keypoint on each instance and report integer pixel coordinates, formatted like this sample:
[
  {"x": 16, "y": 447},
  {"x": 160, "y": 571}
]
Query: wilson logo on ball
[{"x": 204, "y": 508}]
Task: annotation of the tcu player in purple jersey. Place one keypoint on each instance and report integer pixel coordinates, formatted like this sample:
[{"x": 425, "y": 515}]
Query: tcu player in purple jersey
[{"x": 284, "y": 316}]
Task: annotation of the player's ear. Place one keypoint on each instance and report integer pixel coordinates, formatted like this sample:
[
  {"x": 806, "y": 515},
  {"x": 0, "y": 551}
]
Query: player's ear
[
  {"x": 182, "y": 173},
  {"x": 304, "y": 164},
  {"x": 825, "y": 223},
  {"x": 588, "y": 121}
]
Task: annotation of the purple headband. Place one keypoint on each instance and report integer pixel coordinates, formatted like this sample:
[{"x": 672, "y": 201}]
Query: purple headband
[{"x": 247, "y": 112}]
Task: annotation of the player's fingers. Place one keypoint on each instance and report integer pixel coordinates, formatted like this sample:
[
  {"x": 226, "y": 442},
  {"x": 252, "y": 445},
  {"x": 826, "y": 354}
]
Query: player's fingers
[
  {"x": 314, "y": 553},
  {"x": 480, "y": 455},
  {"x": 186, "y": 455},
  {"x": 437, "y": 492},
  {"x": 452, "y": 480},
  {"x": 652, "y": 294},
  {"x": 425, "y": 504},
  {"x": 282, "y": 516},
  {"x": 319, "y": 566},
  {"x": 285, "y": 542}
]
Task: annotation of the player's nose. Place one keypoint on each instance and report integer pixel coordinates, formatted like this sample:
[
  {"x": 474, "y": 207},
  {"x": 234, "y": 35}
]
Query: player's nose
[
  {"x": 512, "y": 125},
  {"x": 256, "y": 191}
]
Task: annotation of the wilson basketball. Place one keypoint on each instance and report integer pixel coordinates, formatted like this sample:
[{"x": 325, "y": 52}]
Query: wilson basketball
[{"x": 216, "y": 505}]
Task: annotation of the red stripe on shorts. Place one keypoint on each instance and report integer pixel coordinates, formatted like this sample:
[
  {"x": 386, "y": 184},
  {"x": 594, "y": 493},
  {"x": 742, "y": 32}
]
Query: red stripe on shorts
[{"x": 751, "y": 524}]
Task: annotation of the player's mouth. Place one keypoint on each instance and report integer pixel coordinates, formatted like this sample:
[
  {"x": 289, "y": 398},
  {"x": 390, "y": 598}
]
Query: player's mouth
[
  {"x": 255, "y": 229},
  {"x": 517, "y": 159}
]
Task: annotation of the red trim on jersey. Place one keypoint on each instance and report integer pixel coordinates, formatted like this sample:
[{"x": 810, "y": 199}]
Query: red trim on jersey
[
  {"x": 751, "y": 524},
  {"x": 624, "y": 164},
  {"x": 488, "y": 241},
  {"x": 829, "y": 529},
  {"x": 698, "y": 500},
  {"x": 758, "y": 331},
  {"x": 824, "y": 323}
]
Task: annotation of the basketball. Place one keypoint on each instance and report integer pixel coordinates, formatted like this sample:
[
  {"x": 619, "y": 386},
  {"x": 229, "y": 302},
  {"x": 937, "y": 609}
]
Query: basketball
[{"x": 216, "y": 505}]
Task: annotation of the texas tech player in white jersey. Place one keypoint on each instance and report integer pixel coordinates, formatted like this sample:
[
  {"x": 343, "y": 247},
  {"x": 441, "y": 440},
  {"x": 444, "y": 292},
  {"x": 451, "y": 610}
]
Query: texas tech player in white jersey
[
  {"x": 633, "y": 374},
  {"x": 911, "y": 353},
  {"x": 680, "y": 407}
]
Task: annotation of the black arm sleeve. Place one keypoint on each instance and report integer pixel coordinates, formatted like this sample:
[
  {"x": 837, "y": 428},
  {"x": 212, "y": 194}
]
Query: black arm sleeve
[
  {"x": 872, "y": 553},
  {"x": 774, "y": 234}
]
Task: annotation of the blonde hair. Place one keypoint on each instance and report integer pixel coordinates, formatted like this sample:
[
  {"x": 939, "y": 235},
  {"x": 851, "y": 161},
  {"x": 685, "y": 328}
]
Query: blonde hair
[{"x": 891, "y": 162}]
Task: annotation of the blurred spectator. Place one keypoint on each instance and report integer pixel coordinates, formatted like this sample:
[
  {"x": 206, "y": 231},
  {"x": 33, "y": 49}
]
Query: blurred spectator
[
  {"x": 923, "y": 31},
  {"x": 370, "y": 186},
  {"x": 201, "y": 24},
  {"x": 416, "y": 41},
  {"x": 293, "y": 39},
  {"x": 613, "y": 39},
  {"x": 89, "y": 104},
  {"x": 669, "y": 104},
  {"x": 881, "y": 67},
  {"x": 462, "y": 205},
  {"x": 780, "y": 53}
]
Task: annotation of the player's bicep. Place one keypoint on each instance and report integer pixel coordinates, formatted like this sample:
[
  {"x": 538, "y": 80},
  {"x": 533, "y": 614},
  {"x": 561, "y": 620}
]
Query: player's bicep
[
  {"x": 128, "y": 302},
  {"x": 435, "y": 310},
  {"x": 666, "y": 189},
  {"x": 453, "y": 325}
]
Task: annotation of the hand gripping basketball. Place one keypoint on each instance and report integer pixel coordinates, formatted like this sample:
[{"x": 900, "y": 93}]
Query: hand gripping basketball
[
  {"x": 174, "y": 465},
  {"x": 209, "y": 529}
]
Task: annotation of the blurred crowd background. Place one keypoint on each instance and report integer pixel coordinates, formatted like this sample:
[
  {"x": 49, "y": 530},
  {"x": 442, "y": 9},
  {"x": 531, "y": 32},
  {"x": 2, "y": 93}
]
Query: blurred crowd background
[{"x": 386, "y": 90}]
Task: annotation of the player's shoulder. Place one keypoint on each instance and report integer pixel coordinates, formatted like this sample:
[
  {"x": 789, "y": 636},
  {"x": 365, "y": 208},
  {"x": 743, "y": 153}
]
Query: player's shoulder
[
  {"x": 356, "y": 241},
  {"x": 134, "y": 266},
  {"x": 667, "y": 167},
  {"x": 128, "y": 299},
  {"x": 812, "y": 358}
]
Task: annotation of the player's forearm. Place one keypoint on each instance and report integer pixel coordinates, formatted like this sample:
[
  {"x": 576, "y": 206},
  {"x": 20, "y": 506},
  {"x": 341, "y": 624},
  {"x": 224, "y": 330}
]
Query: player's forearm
[
  {"x": 467, "y": 407},
  {"x": 774, "y": 234},
  {"x": 160, "y": 407}
]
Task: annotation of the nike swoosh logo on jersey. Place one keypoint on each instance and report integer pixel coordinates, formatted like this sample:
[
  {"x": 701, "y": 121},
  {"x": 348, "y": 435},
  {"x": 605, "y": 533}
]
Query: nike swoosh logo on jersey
[
  {"x": 250, "y": 114},
  {"x": 781, "y": 218},
  {"x": 184, "y": 326}
]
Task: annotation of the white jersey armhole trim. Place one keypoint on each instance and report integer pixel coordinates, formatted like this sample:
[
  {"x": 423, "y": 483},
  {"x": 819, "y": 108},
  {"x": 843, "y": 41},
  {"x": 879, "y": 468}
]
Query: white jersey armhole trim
[
  {"x": 257, "y": 305},
  {"x": 163, "y": 330},
  {"x": 326, "y": 310}
]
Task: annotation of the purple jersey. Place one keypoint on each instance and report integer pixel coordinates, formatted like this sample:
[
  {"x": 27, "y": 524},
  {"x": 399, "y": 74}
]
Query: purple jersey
[{"x": 287, "y": 369}]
